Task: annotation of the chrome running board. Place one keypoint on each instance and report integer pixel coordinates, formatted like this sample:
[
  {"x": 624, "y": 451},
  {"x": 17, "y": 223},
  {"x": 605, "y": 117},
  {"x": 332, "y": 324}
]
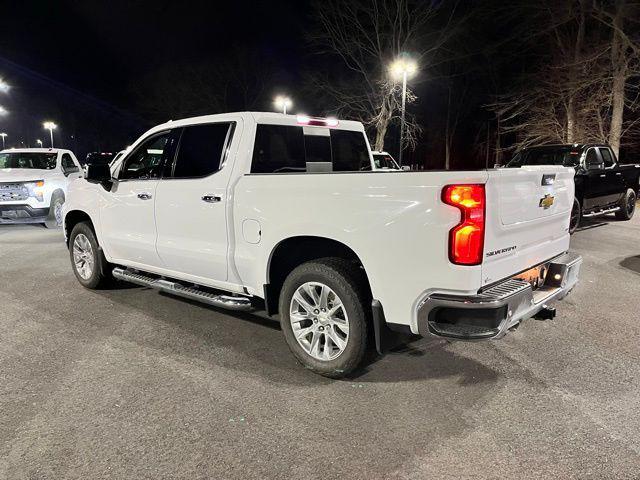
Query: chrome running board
[
  {"x": 217, "y": 300},
  {"x": 602, "y": 212}
]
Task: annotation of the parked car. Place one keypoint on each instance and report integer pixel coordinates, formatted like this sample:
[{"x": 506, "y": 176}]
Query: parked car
[
  {"x": 99, "y": 157},
  {"x": 33, "y": 184},
  {"x": 602, "y": 185},
  {"x": 264, "y": 210},
  {"x": 384, "y": 161}
]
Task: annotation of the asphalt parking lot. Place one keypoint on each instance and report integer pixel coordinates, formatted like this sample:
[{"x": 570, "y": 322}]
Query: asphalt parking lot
[{"x": 130, "y": 384}]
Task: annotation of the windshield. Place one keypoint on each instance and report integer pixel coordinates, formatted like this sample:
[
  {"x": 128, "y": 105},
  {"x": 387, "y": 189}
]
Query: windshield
[
  {"x": 565, "y": 156},
  {"x": 384, "y": 161},
  {"x": 31, "y": 160}
]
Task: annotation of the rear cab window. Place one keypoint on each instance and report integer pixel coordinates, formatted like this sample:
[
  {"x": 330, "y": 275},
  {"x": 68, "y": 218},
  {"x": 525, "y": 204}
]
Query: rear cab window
[{"x": 291, "y": 149}]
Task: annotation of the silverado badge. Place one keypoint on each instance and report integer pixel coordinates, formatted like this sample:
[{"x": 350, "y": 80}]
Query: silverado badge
[{"x": 546, "y": 201}]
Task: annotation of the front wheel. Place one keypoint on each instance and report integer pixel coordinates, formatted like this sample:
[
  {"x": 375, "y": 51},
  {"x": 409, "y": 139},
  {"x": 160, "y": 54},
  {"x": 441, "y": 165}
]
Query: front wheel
[
  {"x": 325, "y": 316},
  {"x": 87, "y": 260},
  {"x": 54, "y": 219},
  {"x": 576, "y": 216},
  {"x": 627, "y": 205}
]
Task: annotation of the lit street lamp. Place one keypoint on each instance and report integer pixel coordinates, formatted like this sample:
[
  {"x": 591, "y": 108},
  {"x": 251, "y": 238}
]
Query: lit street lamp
[
  {"x": 4, "y": 86},
  {"x": 39, "y": 142},
  {"x": 50, "y": 126},
  {"x": 3, "y": 135},
  {"x": 282, "y": 103},
  {"x": 403, "y": 68}
]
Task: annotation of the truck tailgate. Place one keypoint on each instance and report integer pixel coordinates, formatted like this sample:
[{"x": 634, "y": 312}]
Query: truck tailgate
[{"x": 527, "y": 218}]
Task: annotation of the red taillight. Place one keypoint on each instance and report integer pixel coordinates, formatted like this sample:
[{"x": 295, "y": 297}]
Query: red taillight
[{"x": 466, "y": 240}]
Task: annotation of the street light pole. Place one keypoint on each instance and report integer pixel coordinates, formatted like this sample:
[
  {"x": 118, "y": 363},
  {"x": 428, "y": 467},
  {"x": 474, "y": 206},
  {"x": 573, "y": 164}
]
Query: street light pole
[
  {"x": 39, "y": 142},
  {"x": 282, "y": 102},
  {"x": 403, "y": 68},
  {"x": 3, "y": 135},
  {"x": 404, "y": 102},
  {"x": 50, "y": 126}
]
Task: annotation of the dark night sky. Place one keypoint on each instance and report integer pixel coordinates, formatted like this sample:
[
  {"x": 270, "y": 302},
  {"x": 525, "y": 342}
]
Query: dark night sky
[{"x": 100, "y": 48}]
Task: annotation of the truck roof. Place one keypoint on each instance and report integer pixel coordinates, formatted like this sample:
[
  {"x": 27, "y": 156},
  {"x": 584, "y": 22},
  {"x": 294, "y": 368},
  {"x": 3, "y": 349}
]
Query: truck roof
[
  {"x": 44, "y": 150},
  {"x": 272, "y": 118},
  {"x": 575, "y": 146}
]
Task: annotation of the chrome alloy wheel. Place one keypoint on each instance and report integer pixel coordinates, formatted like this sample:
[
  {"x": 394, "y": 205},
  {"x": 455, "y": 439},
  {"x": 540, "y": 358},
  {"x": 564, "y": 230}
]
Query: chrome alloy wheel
[
  {"x": 319, "y": 321},
  {"x": 83, "y": 256},
  {"x": 57, "y": 213}
]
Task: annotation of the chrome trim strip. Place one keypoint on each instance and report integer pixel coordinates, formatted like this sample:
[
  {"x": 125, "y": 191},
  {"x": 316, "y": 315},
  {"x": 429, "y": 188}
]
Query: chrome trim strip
[{"x": 521, "y": 300}]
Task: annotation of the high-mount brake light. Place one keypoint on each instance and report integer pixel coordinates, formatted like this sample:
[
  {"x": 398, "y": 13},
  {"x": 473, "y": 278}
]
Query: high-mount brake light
[
  {"x": 466, "y": 239},
  {"x": 317, "y": 122}
]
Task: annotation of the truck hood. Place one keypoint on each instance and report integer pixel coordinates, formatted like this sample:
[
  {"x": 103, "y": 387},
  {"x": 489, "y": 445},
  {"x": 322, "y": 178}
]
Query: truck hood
[{"x": 24, "y": 174}]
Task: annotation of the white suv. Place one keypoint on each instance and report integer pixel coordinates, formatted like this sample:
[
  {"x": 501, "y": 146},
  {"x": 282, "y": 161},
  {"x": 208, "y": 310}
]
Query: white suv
[{"x": 33, "y": 184}]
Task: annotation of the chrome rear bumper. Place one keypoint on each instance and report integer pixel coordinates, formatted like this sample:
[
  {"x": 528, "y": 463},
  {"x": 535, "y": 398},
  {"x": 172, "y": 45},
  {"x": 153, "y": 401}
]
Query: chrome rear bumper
[{"x": 492, "y": 312}]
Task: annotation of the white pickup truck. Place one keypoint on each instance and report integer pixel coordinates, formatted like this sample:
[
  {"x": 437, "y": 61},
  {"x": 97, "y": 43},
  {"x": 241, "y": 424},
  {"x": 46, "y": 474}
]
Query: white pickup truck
[
  {"x": 264, "y": 210},
  {"x": 33, "y": 184}
]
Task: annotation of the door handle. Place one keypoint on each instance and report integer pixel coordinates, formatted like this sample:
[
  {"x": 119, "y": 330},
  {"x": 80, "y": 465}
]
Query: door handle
[
  {"x": 602, "y": 176},
  {"x": 211, "y": 198},
  {"x": 144, "y": 196},
  {"x": 618, "y": 173}
]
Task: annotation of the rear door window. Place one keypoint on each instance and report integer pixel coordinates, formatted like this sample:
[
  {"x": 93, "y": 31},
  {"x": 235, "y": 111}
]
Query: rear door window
[
  {"x": 606, "y": 157},
  {"x": 278, "y": 149},
  {"x": 285, "y": 149},
  {"x": 200, "y": 150}
]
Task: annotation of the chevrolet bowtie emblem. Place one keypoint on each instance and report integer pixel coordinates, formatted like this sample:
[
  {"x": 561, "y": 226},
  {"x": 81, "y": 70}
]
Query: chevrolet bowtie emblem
[{"x": 546, "y": 201}]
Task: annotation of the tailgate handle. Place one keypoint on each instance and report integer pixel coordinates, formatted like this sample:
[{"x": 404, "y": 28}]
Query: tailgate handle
[{"x": 548, "y": 179}]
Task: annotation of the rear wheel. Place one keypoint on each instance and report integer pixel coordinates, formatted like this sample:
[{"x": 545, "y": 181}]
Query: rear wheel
[
  {"x": 627, "y": 205},
  {"x": 325, "y": 316},
  {"x": 576, "y": 215},
  {"x": 87, "y": 260}
]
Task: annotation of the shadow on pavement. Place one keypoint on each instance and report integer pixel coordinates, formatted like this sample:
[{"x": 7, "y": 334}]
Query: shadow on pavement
[
  {"x": 263, "y": 351},
  {"x": 631, "y": 263}
]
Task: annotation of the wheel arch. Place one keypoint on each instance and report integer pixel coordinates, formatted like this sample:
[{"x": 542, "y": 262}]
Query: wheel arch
[
  {"x": 72, "y": 218},
  {"x": 293, "y": 251}
]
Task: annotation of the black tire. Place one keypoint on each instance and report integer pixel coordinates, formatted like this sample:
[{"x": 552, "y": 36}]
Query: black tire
[
  {"x": 348, "y": 283},
  {"x": 100, "y": 276},
  {"x": 627, "y": 205},
  {"x": 54, "y": 219},
  {"x": 576, "y": 216}
]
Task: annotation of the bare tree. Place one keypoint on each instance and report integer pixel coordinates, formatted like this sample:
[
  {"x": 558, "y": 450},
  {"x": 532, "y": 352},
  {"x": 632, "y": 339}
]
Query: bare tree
[
  {"x": 582, "y": 85},
  {"x": 367, "y": 35},
  {"x": 620, "y": 17}
]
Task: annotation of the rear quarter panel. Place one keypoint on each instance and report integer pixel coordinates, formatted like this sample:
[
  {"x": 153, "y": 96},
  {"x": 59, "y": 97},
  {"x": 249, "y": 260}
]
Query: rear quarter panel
[{"x": 394, "y": 221}]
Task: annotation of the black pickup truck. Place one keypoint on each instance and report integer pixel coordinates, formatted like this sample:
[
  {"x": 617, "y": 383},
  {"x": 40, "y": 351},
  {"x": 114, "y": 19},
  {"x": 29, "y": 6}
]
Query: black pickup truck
[{"x": 602, "y": 184}]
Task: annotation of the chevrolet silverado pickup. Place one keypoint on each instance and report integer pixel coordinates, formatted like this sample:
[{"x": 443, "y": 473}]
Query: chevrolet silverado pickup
[
  {"x": 602, "y": 185},
  {"x": 33, "y": 184},
  {"x": 263, "y": 210}
]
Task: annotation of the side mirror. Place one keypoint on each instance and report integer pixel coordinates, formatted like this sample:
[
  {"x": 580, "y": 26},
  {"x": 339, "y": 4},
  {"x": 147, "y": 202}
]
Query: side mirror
[{"x": 98, "y": 173}]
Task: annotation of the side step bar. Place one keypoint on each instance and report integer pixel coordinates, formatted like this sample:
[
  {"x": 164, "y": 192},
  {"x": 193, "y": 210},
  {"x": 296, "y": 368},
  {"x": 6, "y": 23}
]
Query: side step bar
[
  {"x": 217, "y": 300},
  {"x": 602, "y": 212}
]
